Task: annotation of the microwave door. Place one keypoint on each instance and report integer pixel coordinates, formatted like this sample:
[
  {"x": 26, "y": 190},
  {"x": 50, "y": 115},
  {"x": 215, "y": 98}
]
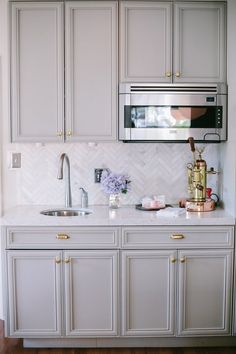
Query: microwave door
[
  {"x": 167, "y": 117},
  {"x": 124, "y": 128}
]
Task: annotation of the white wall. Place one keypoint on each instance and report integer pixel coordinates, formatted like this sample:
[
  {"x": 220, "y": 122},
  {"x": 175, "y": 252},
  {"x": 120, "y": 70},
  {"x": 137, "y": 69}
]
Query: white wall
[{"x": 229, "y": 148}]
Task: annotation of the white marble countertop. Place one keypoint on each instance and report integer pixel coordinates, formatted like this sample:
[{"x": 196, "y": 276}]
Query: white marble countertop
[{"x": 103, "y": 216}]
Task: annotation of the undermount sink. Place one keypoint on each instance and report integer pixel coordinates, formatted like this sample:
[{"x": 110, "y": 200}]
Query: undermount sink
[{"x": 66, "y": 212}]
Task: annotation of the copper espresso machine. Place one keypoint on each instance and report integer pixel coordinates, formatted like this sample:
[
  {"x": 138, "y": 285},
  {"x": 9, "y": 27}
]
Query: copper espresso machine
[{"x": 199, "y": 194}]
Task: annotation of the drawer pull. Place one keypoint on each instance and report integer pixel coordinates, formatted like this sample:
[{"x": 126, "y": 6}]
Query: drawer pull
[
  {"x": 173, "y": 260},
  {"x": 63, "y": 236},
  {"x": 67, "y": 260},
  {"x": 177, "y": 236},
  {"x": 58, "y": 260},
  {"x": 182, "y": 260}
]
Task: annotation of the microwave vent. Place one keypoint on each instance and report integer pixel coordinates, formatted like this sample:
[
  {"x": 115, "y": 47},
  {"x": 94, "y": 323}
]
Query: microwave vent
[
  {"x": 182, "y": 89},
  {"x": 129, "y": 88}
]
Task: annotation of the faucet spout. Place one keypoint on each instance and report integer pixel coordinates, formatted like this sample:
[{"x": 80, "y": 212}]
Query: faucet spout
[{"x": 68, "y": 198}]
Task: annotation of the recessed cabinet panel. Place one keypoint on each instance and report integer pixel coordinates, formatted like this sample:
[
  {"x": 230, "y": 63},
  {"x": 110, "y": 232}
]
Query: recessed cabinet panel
[
  {"x": 37, "y": 87},
  {"x": 91, "y": 293},
  {"x": 205, "y": 291},
  {"x": 199, "y": 42},
  {"x": 34, "y": 281},
  {"x": 91, "y": 51},
  {"x": 145, "y": 41},
  {"x": 148, "y": 282}
]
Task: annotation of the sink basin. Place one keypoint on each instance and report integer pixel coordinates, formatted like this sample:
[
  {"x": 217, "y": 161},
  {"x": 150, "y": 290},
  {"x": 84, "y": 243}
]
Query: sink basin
[{"x": 66, "y": 212}]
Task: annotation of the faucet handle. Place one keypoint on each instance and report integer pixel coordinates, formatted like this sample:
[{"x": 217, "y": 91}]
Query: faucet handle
[{"x": 84, "y": 198}]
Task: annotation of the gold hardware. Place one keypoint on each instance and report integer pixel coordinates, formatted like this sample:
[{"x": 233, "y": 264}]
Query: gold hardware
[
  {"x": 177, "y": 74},
  {"x": 168, "y": 74},
  {"x": 173, "y": 260},
  {"x": 59, "y": 133},
  {"x": 69, "y": 133},
  {"x": 177, "y": 236},
  {"x": 67, "y": 260},
  {"x": 182, "y": 260},
  {"x": 58, "y": 260},
  {"x": 62, "y": 236}
]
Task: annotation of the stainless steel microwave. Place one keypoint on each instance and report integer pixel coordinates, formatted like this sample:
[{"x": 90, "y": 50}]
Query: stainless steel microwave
[{"x": 172, "y": 113}]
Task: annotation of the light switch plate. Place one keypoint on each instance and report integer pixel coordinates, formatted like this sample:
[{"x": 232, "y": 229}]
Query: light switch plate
[{"x": 15, "y": 160}]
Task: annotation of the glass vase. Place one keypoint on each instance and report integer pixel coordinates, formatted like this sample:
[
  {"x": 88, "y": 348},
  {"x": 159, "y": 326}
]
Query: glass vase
[{"x": 114, "y": 200}]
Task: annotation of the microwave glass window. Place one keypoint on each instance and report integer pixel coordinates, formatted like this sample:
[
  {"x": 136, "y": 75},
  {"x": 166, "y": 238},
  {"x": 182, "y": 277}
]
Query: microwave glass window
[{"x": 172, "y": 117}]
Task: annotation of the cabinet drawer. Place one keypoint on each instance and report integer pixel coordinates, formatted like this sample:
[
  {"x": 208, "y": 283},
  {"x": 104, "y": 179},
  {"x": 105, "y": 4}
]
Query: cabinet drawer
[
  {"x": 62, "y": 238},
  {"x": 178, "y": 237}
]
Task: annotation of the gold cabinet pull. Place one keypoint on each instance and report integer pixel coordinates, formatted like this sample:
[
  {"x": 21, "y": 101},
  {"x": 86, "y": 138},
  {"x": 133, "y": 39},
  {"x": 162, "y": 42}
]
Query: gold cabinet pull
[
  {"x": 173, "y": 260},
  {"x": 177, "y": 74},
  {"x": 58, "y": 260},
  {"x": 177, "y": 236},
  {"x": 182, "y": 260},
  {"x": 69, "y": 133},
  {"x": 67, "y": 260},
  {"x": 59, "y": 133},
  {"x": 63, "y": 236},
  {"x": 168, "y": 74}
]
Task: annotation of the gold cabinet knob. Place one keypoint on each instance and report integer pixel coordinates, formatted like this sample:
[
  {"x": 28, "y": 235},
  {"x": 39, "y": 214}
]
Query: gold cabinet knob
[
  {"x": 59, "y": 133},
  {"x": 182, "y": 260},
  {"x": 58, "y": 260},
  {"x": 168, "y": 74},
  {"x": 177, "y": 74},
  {"x": 67, "y": 260},
  {"x": 62, "y": 236},
  {"x": 69, "y": 133},
  {"x": 173, "y": 260},
  {"x": 177, "y": 236}
]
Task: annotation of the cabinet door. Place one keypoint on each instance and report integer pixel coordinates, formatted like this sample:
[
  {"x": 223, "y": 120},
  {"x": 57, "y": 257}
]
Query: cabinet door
[
  {"x": 205, "y": 289},
  {"x": 91, "y": 70},
  {"x": 199, "y": 42},
  {"x": 145, "y": 41},
  {"x": 34, "y": 293},
  {"x": 91, "y": 293},
  {"x": 37, "y": 87},
  {"x": 148, "y": 282}
]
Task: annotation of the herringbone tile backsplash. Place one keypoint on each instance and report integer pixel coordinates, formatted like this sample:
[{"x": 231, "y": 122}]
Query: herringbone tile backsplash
[{"x": 153, "y": 169}]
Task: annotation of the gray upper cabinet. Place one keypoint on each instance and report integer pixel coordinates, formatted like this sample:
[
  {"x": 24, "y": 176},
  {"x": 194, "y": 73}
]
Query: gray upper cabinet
[
  {"x": 37, "y": 71},
  {"x": 199, "y": 42},
  {"x": 165, "y": 42},
  {"x": 91, "y": 70},
  {"x": 37, "y": 62},
  {"x": 145, "y": 41}
]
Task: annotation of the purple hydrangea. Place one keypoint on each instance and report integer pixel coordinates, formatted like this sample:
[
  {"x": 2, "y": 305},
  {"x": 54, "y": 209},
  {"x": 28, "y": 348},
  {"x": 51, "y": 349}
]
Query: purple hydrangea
[{"x": 113, "y": 183}]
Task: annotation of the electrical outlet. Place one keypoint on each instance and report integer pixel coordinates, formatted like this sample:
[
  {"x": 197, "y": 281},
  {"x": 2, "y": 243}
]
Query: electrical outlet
[{"x": 97, "y": 175}]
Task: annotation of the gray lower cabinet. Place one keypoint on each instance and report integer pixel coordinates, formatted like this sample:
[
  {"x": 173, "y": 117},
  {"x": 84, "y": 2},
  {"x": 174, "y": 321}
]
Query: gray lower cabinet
[
  {"x": 91, "y": 293},
  {"x": 34, "y": 293},
  {"x": 182, "y": 288},
  {"x": 205, "y": 292},
  {"x": 46, "y": 287},
  {"x": 203, "y": 281},
  {"x": 148, "y": 293},
  {"x": 174, "y": 281}
]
